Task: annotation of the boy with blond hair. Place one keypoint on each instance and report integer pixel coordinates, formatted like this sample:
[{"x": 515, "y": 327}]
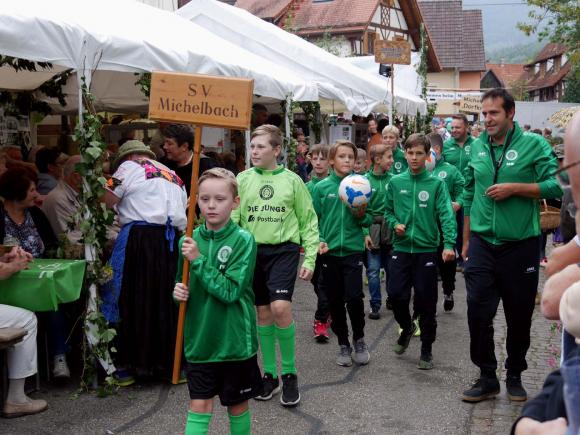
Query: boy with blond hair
[
  {"x": 276, "y": 208},
  {"x": 219, "y": 310},
  {"x": 391, "y": 136},
  {"x": 342, "y": 246}
]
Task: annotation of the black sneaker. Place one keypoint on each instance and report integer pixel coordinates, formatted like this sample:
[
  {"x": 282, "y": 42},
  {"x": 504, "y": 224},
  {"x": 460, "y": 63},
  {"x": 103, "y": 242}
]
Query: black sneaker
[
  {"x": 484, "y": 388},
  {"x": 515, "y": 390},
  {"x": 270, "y": 386},
  {"x": 404, "y": 340},
  {"x": 448, "y": 302},
  {"x": 290, "y": 394},
  {"x": 389, "y": 305},
  {"x": 374, "y": 314},
  {"x": 426, "y": 361}
]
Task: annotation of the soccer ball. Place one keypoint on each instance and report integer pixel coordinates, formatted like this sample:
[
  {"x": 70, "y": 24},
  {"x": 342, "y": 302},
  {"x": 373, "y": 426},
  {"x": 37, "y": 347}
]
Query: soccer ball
[{"x": 355, "y": 190}]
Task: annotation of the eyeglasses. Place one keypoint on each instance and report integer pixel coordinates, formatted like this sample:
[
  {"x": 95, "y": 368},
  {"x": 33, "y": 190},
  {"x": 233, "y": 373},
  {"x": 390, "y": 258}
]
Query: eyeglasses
[{"x": 566, "y": 167}]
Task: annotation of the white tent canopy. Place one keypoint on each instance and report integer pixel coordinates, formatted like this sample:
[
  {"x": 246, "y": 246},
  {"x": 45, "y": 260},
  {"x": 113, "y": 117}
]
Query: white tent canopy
[
  {"x": 127, "y": 36},
  {"x": 337, "y": 80}
]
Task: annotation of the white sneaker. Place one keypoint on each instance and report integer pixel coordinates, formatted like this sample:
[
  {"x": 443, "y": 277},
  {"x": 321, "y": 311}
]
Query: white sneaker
[{"x": 60, "y": 369}]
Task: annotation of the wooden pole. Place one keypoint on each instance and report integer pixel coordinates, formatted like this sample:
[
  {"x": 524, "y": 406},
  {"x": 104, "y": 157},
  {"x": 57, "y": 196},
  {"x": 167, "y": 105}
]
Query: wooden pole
[{"x": 188, "y": 233}]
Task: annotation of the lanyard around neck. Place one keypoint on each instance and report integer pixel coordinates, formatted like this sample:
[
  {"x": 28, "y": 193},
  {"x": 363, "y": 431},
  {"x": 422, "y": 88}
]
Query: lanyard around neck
[{"x": 497, "y": 164}]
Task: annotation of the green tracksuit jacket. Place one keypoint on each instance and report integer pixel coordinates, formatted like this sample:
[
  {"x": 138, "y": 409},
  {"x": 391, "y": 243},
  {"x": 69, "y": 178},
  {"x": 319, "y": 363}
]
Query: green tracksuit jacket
[
  {"x": 339, "y": 228},
  {"x": 529, "y": 159},
  {"x": 220, "y": 321},
  {"x": 276, "y": 207},
  {"x": 314, "y": 180},
  {"x": 453, "y": 180},
  {"x": 456, "y": 155},
  {"x": 418, "y": 202},
  {"x": 379, "y": 184},
  {"x": 400, "y": 164}
]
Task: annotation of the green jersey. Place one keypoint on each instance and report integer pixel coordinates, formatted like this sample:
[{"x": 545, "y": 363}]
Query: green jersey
[
  {"x": 456, "y": 154},
  {"x": 339, "y": 228},
  {"x": 452, "y": 178},
  {"x": 314, "y": 180},
  {"x": 400, "y": 164},
  {"x": 419, "y": 202},
  {"x": 276, "y": 207},
  {"x": 527, "y": 159},
  {"x": 220, "y": 321},
  {"x": 379, "y": 183}
]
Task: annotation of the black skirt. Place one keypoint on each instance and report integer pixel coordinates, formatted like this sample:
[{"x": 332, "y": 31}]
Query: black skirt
[{"x": 147, "y": 330}]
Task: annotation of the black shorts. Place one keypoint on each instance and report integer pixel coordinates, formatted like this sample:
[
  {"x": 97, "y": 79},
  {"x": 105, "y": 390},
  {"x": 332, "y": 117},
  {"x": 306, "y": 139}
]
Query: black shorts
[
  {"x": 233, "y": 381},
  {"x": 275, "y": 273}
]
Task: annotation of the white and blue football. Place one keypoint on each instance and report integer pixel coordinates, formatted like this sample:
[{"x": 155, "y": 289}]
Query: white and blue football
[{"x": 355, "y": 190}]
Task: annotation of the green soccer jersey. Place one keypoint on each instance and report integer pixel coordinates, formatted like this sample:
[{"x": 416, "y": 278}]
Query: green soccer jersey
[
  {"x": 314, "y": 180},
  {"x": 276, "y": 207},
  {"x": 220, "y": 321},
  {"x": 458, "y": 155},
  {"x": 339, "y": 228},
  {"x": 379, "y": 184},
  {"x": 452, "y": 178},
  {"x": 419, "y": 202},
  {"x": 400, "y": 164},
  {"x": 528, "y": 159}
]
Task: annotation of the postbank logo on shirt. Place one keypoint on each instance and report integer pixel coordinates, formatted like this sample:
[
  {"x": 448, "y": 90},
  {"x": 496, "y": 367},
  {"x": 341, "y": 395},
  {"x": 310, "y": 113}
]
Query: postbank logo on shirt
[{"x": 423, "y": 197}]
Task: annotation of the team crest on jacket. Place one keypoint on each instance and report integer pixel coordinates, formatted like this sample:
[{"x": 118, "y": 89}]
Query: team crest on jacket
[
  {"x": 266, "y": 192},
  {"x": 224, "y": 253},
  {"x": 442, "y": 174},
  {"x": 511, "y": 155},
  {"x": 398, "y": 166},
  {"x": 423, "y": 195}
]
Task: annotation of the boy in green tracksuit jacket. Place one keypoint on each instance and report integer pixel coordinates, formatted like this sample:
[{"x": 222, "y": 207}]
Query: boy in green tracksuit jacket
[
  {"x": 455, "y": 183},
  {"x": 391, "y": 136},
  {"x": 342, "y": 245},
  {"x": 378, "y": 256},
  {"x": 319, "y": 160},
  {"x": 416, "y": 201},
  {"x": 220, "y": 340},
  {"x": 276, "y": 208}
]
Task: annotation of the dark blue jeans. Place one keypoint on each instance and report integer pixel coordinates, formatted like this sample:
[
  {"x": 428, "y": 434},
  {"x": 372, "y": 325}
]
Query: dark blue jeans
[{"x": 377, "y": 259}]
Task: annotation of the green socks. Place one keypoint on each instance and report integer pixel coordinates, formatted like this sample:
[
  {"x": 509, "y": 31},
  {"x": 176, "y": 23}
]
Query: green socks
[
  {"x": 268, "y": 347},
  {"x": 240, "y": 424},
  {"x": 286, "y": 338},
  {"x": 197, "y": 424}
]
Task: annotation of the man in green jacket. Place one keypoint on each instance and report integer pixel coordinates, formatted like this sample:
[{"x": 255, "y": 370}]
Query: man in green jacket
[
  {"x": 415, "y": 202},
  {"x": 457, "y": 151},
  {"x": 508, "y": 172}
]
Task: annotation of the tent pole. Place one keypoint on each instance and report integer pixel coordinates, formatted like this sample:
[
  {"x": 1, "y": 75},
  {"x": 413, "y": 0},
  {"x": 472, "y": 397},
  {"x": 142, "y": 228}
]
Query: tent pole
[
  {"x": 287, "y": 125},
  {"x": 248, "y": 136}
]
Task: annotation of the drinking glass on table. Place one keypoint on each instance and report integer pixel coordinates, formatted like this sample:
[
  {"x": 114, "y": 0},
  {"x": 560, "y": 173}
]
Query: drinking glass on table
[{"x": 571, "y": 374}]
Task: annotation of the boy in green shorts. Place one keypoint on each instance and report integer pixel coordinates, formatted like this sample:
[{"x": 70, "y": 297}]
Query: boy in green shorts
[
  {"x": 415, "y": 202},
  {"x": 319, "y": 160},
  {"x": 342, "y": 246},
  {"x": 378, "y": 256},
  {"x": 220, "y": 342},
  {"x": 276, "y": 208}
]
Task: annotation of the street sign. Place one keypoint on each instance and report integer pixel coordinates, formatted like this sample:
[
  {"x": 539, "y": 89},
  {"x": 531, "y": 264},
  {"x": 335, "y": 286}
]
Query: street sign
[
  {"x": 200, "y": 99},
  {"x": 398, "y": 52},
  {"x": 470, "y": 104}
]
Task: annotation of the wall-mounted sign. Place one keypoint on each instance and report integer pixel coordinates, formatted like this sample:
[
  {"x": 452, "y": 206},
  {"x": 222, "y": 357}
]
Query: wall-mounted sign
[
  {"x": 200, "y": 99},
  {"x": 470, "y": 104},
  {"x": 398, "y": 52}
]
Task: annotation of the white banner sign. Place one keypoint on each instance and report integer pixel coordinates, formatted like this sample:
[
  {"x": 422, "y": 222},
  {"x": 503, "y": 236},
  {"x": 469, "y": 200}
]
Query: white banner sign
[{"x": 451, "y": 95}]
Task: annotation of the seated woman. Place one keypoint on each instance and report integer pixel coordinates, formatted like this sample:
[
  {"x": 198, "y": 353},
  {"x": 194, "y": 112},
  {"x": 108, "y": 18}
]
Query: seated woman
[
  {"x": 151, "y": 202},
  {"x": 22, "y": 356},
  {"x": 25, "y": 225}
]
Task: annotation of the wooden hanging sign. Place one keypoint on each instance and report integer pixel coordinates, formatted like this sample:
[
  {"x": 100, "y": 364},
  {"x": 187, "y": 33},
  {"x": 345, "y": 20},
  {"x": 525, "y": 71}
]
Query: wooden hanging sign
[
  {"x": 389, "y": 52},
  {"x": 201, "y": 99}
]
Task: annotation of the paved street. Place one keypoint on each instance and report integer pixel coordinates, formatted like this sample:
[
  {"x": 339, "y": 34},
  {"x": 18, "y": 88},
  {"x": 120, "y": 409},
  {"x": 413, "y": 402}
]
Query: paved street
[{"x": 389, "y": 396}]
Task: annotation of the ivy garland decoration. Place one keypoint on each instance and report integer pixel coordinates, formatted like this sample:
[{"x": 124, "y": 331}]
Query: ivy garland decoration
[{"x": 423, "y": 123}]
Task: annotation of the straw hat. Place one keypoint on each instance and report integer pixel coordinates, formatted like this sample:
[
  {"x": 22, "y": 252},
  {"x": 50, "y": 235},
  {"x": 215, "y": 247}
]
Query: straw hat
[
  {"x": 570, "y": 310},
  {"x": 132, "y": 147}
]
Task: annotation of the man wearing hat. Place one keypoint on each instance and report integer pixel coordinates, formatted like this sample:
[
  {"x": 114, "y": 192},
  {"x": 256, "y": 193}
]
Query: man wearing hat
[{"x": 151, "y": 203}]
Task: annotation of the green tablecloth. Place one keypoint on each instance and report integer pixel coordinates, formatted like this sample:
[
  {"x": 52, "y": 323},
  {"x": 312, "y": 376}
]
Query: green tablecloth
[{"x": 44, "y": 285}]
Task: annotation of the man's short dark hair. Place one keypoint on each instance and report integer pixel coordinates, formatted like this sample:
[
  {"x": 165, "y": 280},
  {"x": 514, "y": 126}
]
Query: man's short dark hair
[
  {"x": 15, "y": 182},
  {"x": 508, "y": 103},
  {"x": 462, "y": 117},
  {"x": 257, "y": 107},
  {"x": 418, "y": 139},
  {"x": 45, "y": 157},
  {"x": 181, "y": 133}
]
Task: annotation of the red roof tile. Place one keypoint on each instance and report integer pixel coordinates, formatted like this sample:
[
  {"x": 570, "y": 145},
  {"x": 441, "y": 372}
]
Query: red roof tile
[
  {"x": 331, "y": 14},
  {"x": 265, "y": 9},
  {"x": 507, "y": 73},
  {"x": 550, "y": 50},
  {"x": 550, "y": 79}
]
